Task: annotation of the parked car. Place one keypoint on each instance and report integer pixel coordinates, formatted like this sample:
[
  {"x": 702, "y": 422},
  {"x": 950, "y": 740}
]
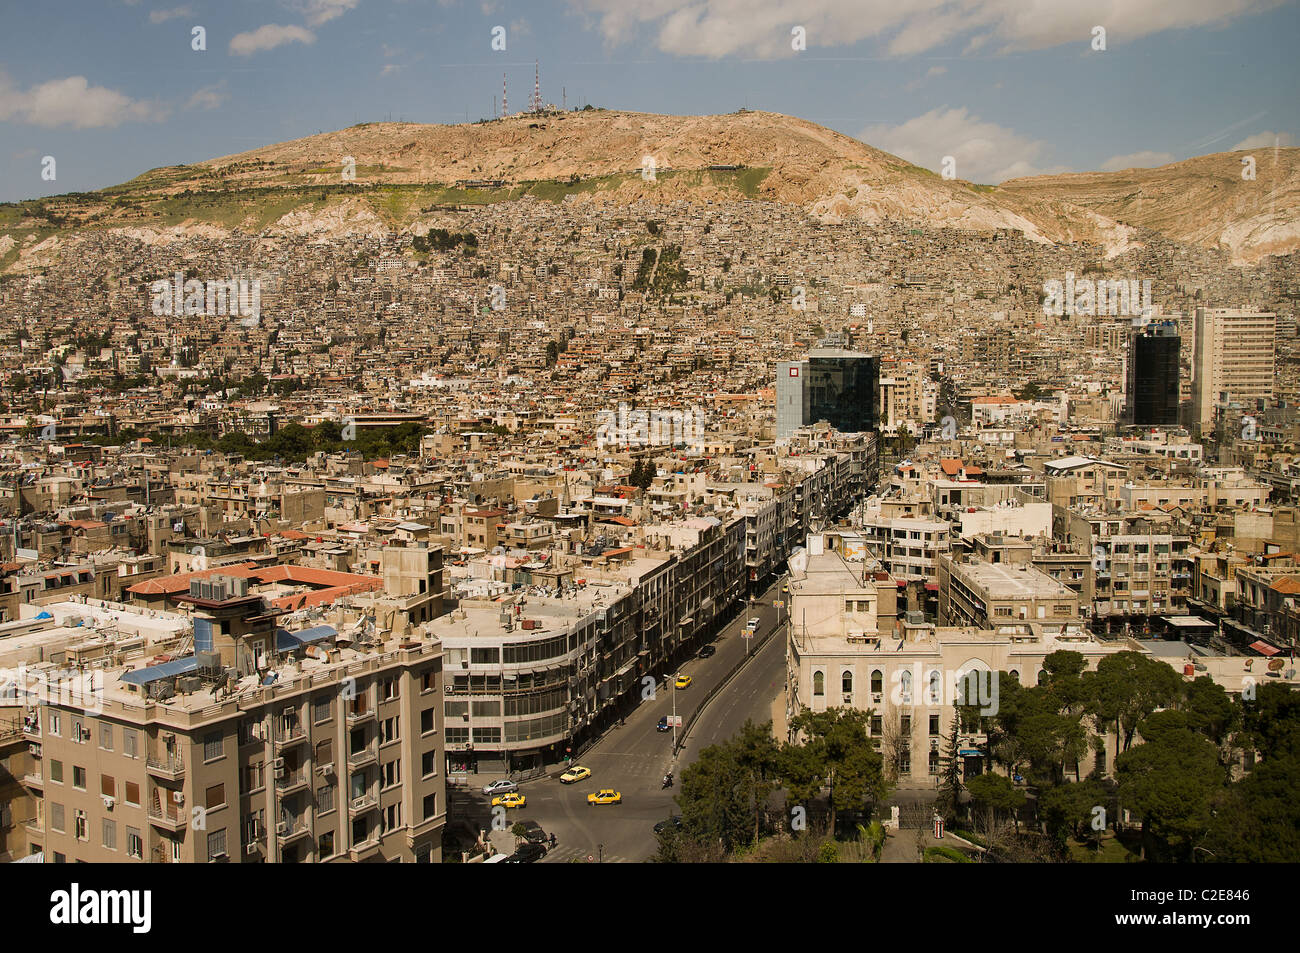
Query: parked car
[
  {"x": 533, "y": 832},
  {"x": 527, "y": 854},
  {"x": 575, "y": 773},
  {"x": 708, "y": 651},
  {"x": 504, "y": 786},
  {"x": 675, "y": 822}
]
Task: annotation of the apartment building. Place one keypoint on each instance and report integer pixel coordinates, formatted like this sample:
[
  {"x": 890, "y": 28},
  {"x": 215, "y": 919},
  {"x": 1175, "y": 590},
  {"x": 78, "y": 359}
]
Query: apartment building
[
  {"x": 1233, "y": 359},
  {"x": 263, "y": 745},
  {"x": 989, "y": 595}
]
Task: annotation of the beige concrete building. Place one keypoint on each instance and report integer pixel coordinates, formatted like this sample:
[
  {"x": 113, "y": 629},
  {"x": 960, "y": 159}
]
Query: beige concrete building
[
  {"x": 261, "y": 745},
  {"x": 1233, "y": 354}
]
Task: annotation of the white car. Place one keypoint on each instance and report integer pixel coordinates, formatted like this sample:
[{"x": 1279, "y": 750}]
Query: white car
[
  {"x": 752, "y": 625},
  {"x": 504, "y": 786}
]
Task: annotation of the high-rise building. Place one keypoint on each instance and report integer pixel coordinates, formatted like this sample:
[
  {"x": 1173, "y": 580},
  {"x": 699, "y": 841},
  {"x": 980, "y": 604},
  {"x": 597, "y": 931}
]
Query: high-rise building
[
  {"x": 832, "y": 385},
  {"x": 1233, "y": 359},
  {"x": 1152, "y": 376},
  {"x": 843, "y": 390}
]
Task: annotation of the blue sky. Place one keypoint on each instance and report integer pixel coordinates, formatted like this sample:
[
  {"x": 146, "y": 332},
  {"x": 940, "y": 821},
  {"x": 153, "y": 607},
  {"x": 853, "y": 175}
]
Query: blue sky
[{"x": 112, "y": 88}]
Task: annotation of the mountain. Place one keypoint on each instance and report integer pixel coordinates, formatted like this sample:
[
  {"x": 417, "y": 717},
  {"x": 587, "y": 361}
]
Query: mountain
[{"x": 404, "y": 171}]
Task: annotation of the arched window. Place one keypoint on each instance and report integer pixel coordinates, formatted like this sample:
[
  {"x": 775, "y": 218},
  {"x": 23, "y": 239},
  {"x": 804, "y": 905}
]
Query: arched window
[
  {"x": 936, "y": 688},
  {"x": 905, "y": 683},
  {"x": 1043, "y": 676},
  {"x": 846, "y": 683},
  {"x": 819, "y": 683},
  {"x": 877, "y": 682},
  {"x": 1015, "y": 674}
]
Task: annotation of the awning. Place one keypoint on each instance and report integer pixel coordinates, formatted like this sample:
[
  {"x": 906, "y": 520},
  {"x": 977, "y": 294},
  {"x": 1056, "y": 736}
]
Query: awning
[
  {"x": 971, "y": 753},
  {"x": 1263, "y": 648},
  {"x": 286, "y": 641}
]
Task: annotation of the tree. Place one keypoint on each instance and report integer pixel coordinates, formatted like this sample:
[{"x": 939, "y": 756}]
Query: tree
[
  {"x": 1127, "y": 687},
  {"x": 996, "y": 794},
  {"x": 1258, "y": 819},
  {"x": 836, "y": 750},
  {"x": 1170, "y": 781},
  {"x": 715, "y": 799},
  {"x": 948, "y": 803}
]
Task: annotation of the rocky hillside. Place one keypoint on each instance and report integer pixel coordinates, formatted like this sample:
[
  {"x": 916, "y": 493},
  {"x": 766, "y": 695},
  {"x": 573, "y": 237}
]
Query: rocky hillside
[{"x": 403, "y": 171}]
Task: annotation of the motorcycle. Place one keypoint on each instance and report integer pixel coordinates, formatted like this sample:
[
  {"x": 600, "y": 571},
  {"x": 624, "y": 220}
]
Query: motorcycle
[{"x": 668, "y": 781}]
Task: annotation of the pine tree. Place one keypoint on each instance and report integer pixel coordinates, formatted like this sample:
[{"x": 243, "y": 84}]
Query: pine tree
[{"x": 948, "y": 802}]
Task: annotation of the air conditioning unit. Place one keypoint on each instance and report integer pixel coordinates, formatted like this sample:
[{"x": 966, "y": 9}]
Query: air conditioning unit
[
  {"x": 326, "y": 770},
  {"x": 287, "y": 713},
  {"x": 167, "y": 736},
  {"x": 278, "y": 764},
  {"x": 178, "y": 797},
  {"x": 34, "y": 750},
  {"x": 250, "y": 848},
  {"x": 281, "y": 828},
  {"x": 109, "y": 801},
  {"x": 279, "y": 773}
]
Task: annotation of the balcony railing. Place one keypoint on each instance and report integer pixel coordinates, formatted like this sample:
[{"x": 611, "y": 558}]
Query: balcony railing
[
  {"x": 168, "y": 814},
  {"x": 170, "y": 767}
]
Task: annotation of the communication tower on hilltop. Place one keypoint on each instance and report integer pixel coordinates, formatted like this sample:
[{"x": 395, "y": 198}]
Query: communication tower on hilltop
[
  {"x": 535, "y": 106},
  {"x": 505, "y": 110}
]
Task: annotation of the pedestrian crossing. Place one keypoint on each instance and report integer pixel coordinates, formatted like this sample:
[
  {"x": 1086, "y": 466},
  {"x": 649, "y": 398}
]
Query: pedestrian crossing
[{"x": 578, "y": 854}]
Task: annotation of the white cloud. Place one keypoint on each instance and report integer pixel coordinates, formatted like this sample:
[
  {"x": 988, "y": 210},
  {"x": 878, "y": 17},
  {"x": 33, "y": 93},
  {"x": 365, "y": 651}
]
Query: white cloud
[
  {"x": 1146, "y": 159},
  {"x": 73, "y": 102},
  {"x": 162, "y": 16},
  {"x": 984, "y": 151},
  {"x": 718, "y": 28},
  {"x": 209, "y": 97},
  {"x": 268, "y": 37},
  {"x": 1265, "y": 140},
  {"x": 322, "y": 11}
]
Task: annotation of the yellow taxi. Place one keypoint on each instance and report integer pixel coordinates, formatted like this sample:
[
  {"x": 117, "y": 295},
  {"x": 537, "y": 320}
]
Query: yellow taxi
[
  {"x": 574, "y": 774},
  {"x": 605, "y": 796},
  {"x": 683, "y": 681},
  {"x": 513, "y": 799}
]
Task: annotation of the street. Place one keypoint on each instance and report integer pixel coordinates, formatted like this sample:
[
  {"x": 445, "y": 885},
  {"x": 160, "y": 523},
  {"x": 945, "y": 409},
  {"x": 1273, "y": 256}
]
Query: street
[{"x": 633, "y": 758}]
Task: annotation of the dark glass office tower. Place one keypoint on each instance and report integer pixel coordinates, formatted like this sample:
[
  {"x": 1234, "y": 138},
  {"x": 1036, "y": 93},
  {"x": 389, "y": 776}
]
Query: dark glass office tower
[
  {"x": 843, "y": 390},
  {"x": 1153, "y": 376}
]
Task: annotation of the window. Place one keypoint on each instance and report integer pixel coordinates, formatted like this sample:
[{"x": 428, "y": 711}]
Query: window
[
  {"x": 487, "y": 709},
  {"x": 457, "y": 736},
  {"x": 430, "y": 806},
  {"x": 107, "y": 786},
  {"x": 390, "y": 774},
  {"x": 212, "y": 746},
  {"x": 388, "y": 730},
  {"x": 217, "y": 844},
  {"x": 109, "y": 834},
  {"x": 905, "y": 726},
  {"x": 491, "y": 656},
  {"x": 325, "y": 800},
  {"x": 79, "y": 778},
  {"x": 321, "y": 709},
  {"x": 388, "y": 689},
  {"x": 215, "y": 796},
  {"x": 904, "y": 760},
  {"x": 487, "y": 736},
  {"x": 53, "y": 726},
  {"x": 81, "y": 826},
  {"x": 819, "y": 684},
  {"x": 129, "y": 743},
  {"x": 56, "y": 771},
  {"x": 106, "y": 736},
  {"x": 846, "y": 683},
  {"x": 877, "y": 682},
  {"x": 392, "y": 817},
  {"x": 325, "y": 846},
  {"x": 57, "y": 818},
  {"x": 429, "y": 764},
  {"x": 936, "y": 688},
  {"x": 426, "y": 721},
  {"x": 325, "y": 752},
  {"x": 132, "y": 793},
  {"x": 428, "y": 682},
  {"x": 934, "y": 762},
  {"x": 905, "y": 686},
  {"x": 875, "y": 725},
  {"x": 254, "y": 776},
  {"x": 934, "y": 725}
]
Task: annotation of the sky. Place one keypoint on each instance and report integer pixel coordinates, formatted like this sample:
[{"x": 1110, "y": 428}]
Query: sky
[{"x": 112, "y": 88}]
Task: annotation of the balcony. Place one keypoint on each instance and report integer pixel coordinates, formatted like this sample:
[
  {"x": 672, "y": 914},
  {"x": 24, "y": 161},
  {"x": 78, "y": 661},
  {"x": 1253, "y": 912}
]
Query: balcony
[
  {"x": 170, "y": 767},
  {"x": 359, "y": 716},
  {"x": 366, "y": 755},
  {"x": 291, "y": 781},
  {"x": 168, "y": 814},
  {"x": 33, "y": 781},
  {"x": 367, "y": 801},
  {"x": 290, "y": 828}
]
